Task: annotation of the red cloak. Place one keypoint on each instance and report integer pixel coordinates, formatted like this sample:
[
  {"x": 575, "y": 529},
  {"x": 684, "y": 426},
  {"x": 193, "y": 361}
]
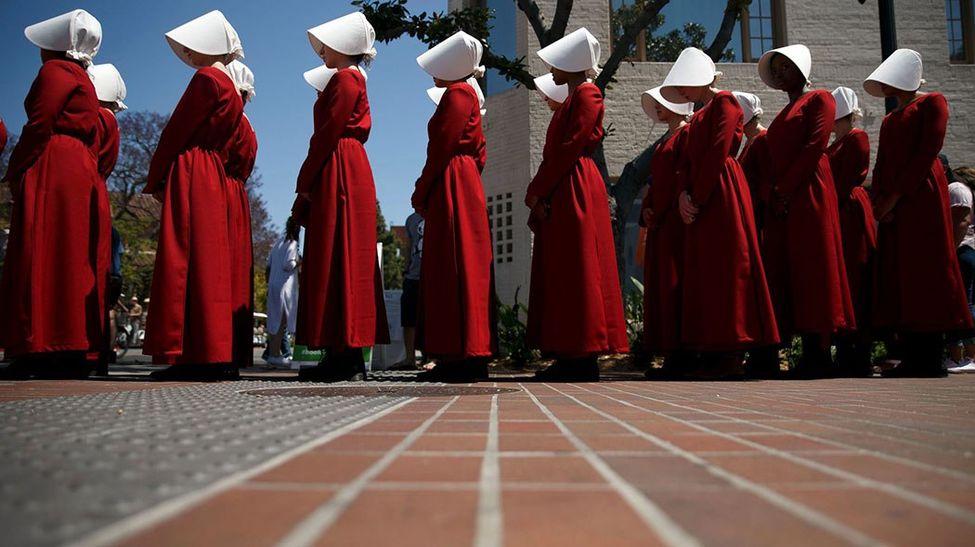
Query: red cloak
[
  {"x": 105, "y": 148},
  {"x": 803, "y": 247},
  {"x": 725, "y": 303},
  {"x": 456, "y": 315},
  {"x": 3, "y": 136},
  {"x": 341, "y": 304},
  {"x": 190, "y": 310},
  {"x": 240, "y": 154},
  {"x": 575, "y": 307},
  {"x": 754, "y": 162},
  {"x": 917, "y": 285},
  {"x": 48, "y": 292},
  {"x": 664, "y": 256},
  {"x": 849, "y": 159}
]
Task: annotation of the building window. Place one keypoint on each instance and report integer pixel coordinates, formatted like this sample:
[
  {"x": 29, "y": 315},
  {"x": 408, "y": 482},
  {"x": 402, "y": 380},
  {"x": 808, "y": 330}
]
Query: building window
[
  {"x": 501, "y": 215},
  {"x": 760, "y": 27},
  {"x": 958, "y": 14}
]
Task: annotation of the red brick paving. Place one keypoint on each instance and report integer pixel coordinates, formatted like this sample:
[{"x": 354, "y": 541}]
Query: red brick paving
[{"x": 639, "y": 463}]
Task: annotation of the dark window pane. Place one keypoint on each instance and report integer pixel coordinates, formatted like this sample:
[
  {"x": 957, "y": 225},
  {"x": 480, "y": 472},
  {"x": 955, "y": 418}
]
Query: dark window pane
[{"x": 508, "y": 247}]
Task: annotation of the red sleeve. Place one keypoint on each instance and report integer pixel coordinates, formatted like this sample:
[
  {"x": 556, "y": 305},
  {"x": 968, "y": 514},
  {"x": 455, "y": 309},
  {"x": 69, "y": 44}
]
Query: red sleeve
[
  {"x": 445, "y": 131},
  {"x": 194, "y": 107},
  {"x": 333, "y": 109},
  {"x": 853, "y": 164},
  {"x": 241, "y": 151},
  {"x": 930, "y": 139},
  {"x": 300, "y": 209},
  {"x": 726, "y": 119},
  {"x": 586, "y": 107},
  {"x": 108, "y": 143},
  {"x": 820, "y": 113},
  {"x": 51, "y": 90}
]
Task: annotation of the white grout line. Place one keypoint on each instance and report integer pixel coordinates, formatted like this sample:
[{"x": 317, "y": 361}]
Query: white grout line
[
  {"x": 839, "y": 444},
  {"x": 315, "y": 524},
  {"x": 803, "y": 512},
  {"x": 490, "y": 524},
  {"x": 936, "y": 505},
  {"x": 654, "y": 517},
  {"x": 131, "y": 525}
]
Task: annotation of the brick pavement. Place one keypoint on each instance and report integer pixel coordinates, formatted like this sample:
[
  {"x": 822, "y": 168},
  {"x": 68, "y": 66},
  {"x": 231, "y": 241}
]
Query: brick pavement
[{"x": 857, "y": 462}]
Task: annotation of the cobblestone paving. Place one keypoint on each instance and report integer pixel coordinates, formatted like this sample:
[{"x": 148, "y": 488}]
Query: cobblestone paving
[{"x": 72, "y": 464}]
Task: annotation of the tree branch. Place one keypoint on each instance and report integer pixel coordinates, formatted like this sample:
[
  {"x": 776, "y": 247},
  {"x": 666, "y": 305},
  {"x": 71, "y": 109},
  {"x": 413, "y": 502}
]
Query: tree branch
[
  {"x": 534, "y": 15},
  {"x": 732, "y": 12},
  {"x": 621, "y": 48},
  {"x": 562, "y": 11}
]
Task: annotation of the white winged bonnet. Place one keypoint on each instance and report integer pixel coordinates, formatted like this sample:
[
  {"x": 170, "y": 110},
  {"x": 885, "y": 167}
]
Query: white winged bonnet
[
  {"x": 902, "y": 70},
  {"x": 651, "y": 97},
  {"x": 77, "y": 33},
  {"x": 350, "y": 34},
  {"x": 456, "y": 58},
  {"x": 797, "y": 53},
  {"x": 577, "y": 51},
  {"x": 693, "y": 68},
  {"x": 208, "y": 34},
  {"x": 109, "y": 86},
  {"x": 751, "y": 105}
]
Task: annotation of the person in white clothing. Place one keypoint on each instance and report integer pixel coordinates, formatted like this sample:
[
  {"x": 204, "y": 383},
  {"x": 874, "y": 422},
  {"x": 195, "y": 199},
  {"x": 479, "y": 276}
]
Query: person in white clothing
[{"x": 282, "y": 290}]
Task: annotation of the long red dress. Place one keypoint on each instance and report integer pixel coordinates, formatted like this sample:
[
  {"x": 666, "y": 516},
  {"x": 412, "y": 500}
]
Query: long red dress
[
  {"x": 190, "y": 310},
  {"x": 456, "y": 315},
  {"x": 105, "y": 148},
  {"x": 48, "y": 294},
  {"x": 754, "y": 162},
  {"x": 341, "y": 304},
  {"x": 664, "y": 256},
  {"x": 849, "y": 159},
  {"x": 803, "y": 249},
  {"x": 240, "y": 154},
  {"x": 726, "y": 304},
  {"x": 575, "y": 307},
  {"x": 918, "y": 285}
]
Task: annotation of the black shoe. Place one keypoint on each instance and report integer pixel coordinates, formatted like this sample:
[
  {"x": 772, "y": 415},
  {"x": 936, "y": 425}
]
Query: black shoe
[
  {"x": 346, "y": 366},
  {"x": 189, "y": 373},
  {"x": 904, "y": 370},
  {"x": 231, "y": 373},
  {"x": 458, "y": 372},
  {"x": 72, "y": 366},
  {"x": 570, "y": 370}
]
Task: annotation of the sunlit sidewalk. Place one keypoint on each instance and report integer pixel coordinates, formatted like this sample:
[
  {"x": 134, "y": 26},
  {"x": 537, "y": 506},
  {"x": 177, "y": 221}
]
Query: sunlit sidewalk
[{"x": 265, "y": 462}]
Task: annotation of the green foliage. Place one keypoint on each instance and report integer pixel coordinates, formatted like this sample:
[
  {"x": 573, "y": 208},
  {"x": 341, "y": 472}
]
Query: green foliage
[
  {"x": 667, "y": 48},
  {"x": 633, "y": 309},
  {"x": 512, "y": 332},
  {"x": 393, "y": 263}
]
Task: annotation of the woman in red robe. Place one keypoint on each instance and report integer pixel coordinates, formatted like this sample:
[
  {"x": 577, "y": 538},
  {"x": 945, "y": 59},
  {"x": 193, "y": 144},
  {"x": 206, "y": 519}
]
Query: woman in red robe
[
  {"x": 802, "y": 244},
  {"x": 456, "y": 312},
  {"x": 725, "y": 308},
  {"x": 573, "y": 252},
  {"x": 239, "y": 158},
  {"x": 48, "y": 291},
  {"x": 752, "y": 157},
  {"x": 918, "y": 288},
  {"x": 664, "y": 255},
  {"x": 849, "y": 160},
  {"x": 110, "y": 90},
  {"x": 190, "y": 317},
  {"x": 341, "y": 308}
]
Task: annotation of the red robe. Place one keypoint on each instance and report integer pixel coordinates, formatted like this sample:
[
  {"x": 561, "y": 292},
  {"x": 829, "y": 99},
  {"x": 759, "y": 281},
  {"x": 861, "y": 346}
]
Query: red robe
[
  {"x": 917, "y": 285},
  {"x": 456, "y": 315},
  {"x": 3, "y": 136},
  {"x": 341, "y": 304},
  {"x": 575, "y": 307},
  {"x": 240, "y": 154},
  {"x": 803, "y": 249},
  {"x": 725, "y": 303},
  {"x": 849, "y": 159},
  {"x": 754, "y": 162},
  {"x": 190, "y": 310},
  {"x": 105, "y": 148},
  {"x": 48, "y": 294},
  {"x": 664, "y": 256}
]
